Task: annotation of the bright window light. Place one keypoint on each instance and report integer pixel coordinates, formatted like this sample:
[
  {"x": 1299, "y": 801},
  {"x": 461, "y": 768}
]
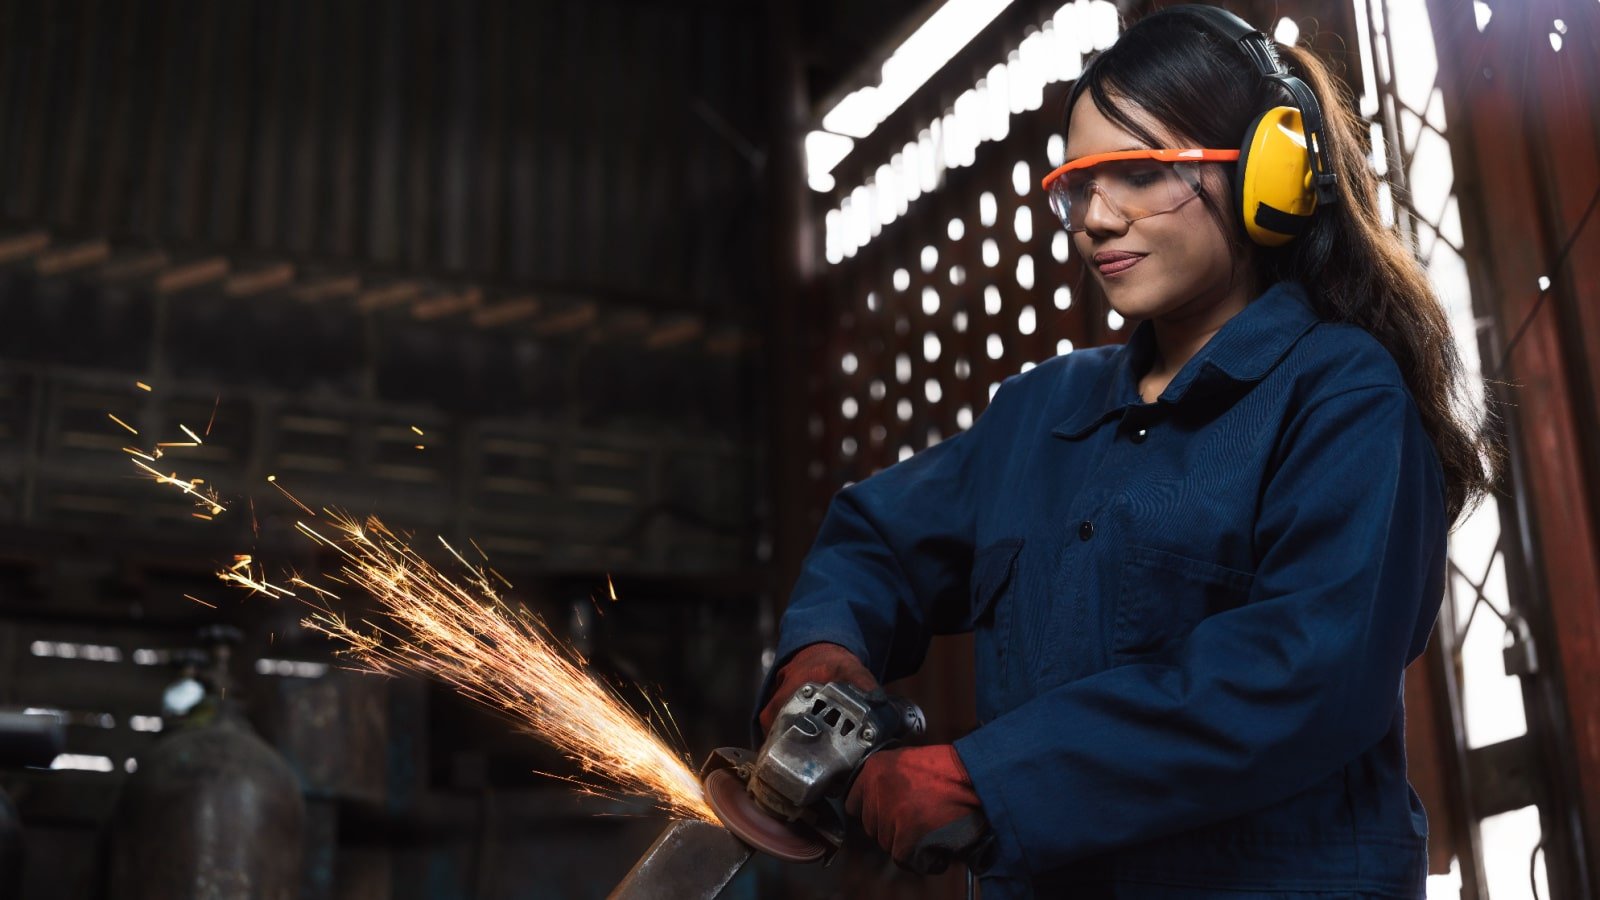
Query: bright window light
[{"x": 912, "y": 64}]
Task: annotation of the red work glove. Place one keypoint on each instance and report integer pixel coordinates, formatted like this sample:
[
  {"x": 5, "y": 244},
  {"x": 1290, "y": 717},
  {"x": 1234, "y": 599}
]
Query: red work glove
[
  {"x": 919, "y": 804},
  {"x": 819, "y": 663}
]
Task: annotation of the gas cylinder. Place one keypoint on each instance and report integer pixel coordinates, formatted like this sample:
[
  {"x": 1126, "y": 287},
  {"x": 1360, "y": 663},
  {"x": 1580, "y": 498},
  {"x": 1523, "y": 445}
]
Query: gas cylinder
[{"x": 212, "y": 812}]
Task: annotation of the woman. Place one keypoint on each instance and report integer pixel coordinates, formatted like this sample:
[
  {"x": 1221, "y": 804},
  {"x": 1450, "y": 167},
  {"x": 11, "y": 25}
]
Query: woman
[{"x": 1196, "y": 565}]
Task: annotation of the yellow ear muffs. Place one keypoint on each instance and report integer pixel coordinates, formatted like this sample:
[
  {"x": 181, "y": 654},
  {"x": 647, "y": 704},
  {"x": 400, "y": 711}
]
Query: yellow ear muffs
[{"x": 1275, "y": 197}]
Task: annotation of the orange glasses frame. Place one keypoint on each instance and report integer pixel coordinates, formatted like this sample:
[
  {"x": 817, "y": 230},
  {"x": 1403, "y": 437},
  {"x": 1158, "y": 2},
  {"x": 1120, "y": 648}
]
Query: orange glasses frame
[{"x": 1187, "y": 155}]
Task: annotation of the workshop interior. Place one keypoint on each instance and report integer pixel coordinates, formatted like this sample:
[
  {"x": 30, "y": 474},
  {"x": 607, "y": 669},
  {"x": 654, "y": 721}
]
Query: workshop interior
[{"x": 414, "y": 416}]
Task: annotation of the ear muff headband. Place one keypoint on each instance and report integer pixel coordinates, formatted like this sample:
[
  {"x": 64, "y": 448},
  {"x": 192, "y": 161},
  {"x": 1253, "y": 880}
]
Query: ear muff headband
[{"x": 1283, "y": 172}]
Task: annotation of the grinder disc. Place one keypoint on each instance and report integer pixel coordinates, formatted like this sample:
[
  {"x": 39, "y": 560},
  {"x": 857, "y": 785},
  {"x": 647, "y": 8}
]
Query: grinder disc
[{"x": 753, "y": 825}]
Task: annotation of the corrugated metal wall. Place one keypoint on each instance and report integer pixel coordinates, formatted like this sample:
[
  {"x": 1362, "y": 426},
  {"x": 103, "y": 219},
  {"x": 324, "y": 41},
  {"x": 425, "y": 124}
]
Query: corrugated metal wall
[{"x": 607, "y": 146}]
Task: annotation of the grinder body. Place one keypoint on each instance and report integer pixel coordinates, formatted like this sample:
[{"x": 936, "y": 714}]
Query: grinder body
[{"x": 783, "y": 798}]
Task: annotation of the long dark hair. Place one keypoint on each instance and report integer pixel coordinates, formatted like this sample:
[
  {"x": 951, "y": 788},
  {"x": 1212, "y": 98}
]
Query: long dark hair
[{"x": 1355, "y": 268}]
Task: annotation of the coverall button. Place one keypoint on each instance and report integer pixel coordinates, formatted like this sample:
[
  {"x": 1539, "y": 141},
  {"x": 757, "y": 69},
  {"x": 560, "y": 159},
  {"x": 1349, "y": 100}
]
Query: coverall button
[
  {"x": 1139, "y": 436},
  {"x": 1086, "y": 530}
]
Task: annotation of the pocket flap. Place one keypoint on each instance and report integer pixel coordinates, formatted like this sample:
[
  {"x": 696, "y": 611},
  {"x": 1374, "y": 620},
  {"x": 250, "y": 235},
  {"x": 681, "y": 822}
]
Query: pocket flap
[{"x": 992, "y": 567}]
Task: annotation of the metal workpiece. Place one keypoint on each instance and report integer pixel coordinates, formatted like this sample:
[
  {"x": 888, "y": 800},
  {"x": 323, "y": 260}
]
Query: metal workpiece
[{"x": 689, "y": 861}]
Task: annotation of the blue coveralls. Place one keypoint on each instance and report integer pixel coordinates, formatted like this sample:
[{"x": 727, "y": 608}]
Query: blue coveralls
[{"x": 1191, "y": 616}]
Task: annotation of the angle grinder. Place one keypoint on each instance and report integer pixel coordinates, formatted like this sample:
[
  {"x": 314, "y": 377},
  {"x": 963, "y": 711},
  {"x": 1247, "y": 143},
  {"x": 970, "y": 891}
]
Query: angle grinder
[{"x": 785, "y": 799}]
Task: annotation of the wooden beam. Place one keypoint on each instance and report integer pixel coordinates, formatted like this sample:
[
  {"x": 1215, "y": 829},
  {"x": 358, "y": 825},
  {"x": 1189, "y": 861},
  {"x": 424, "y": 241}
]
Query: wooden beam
[
  {"x": 138, "y": 265},
  {"x": 327, "y": 288},
  {"x": 67, "y": 259},
  {"x": 673, "y": 333},
  {"x": 389, "y": 295},
  {"x": 191, "y": 275},
  {"x": 426, "y": 309},
  {"x": 573, "y": 318},
  {"x": 504, "y": 312},
  {"x": 259, "y": 281},
  {"x": 21, "y": 246}
]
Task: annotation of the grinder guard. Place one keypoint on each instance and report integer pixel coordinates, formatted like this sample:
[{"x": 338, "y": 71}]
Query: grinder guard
[{"x": 785, "y": 798}]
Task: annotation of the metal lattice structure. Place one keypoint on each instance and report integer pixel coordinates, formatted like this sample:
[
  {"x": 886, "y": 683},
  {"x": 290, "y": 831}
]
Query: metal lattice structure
[{"x": 1495, "y": 656}]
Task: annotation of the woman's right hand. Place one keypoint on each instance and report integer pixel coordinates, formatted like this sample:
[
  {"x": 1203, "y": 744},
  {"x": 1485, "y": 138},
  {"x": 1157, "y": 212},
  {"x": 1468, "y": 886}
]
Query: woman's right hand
[{"x": 818, "y": 663}]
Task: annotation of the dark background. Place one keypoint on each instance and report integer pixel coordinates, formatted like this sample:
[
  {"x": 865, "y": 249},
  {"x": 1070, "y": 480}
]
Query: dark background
[{"x": 572, "y": 243}]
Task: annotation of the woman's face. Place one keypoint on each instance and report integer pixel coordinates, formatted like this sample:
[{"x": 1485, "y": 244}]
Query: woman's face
[{"x": 1185, "y": 271}]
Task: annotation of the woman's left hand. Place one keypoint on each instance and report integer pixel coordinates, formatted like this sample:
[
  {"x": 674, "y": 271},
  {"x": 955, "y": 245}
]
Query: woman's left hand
[{"x": 909, "y": 797}]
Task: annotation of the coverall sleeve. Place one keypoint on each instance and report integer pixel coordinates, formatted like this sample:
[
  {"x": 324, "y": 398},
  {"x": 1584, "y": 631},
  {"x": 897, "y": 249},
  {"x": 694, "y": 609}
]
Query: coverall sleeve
[
  {"x": 892, "y": 559},
  {"x": 1257, "y": 703}
]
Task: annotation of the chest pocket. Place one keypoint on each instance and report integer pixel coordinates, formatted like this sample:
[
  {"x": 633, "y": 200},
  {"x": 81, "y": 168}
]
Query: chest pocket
[
  {"x": 992, "y": 568},
  {"x": 1164, "y": 596},
  {"x": 995, "y": 662}
]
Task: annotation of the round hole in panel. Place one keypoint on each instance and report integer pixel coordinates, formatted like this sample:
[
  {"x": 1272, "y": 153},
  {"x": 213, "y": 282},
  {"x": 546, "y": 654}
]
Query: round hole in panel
[
  {"x": 1060, "y": 246},
  {"x": 988, "y": 209},
  {"x": 996, "y": 347},
  {"x": 991, "y": 253},
  {"x": 956, "y": 229},
  {"x": 933, "y": 390},
  {"x": 991, "y": 300},
  {"x": 902, "y": 279},
  {"x": 930, "y": 258},
  {"x": 1025, "y": 272},
  {"x": 902, "y": 368},
  {"x": 1027, "y": 320},
  {"x": 930, "y": 347},
  {"x": 902, "y": 410},
  {"x": 1023, "y": 224},
  {"x": 930, "y": 301}
]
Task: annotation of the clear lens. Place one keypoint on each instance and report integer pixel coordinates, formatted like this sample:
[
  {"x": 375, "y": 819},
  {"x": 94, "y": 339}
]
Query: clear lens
[{"x": 1131, "y": 189}]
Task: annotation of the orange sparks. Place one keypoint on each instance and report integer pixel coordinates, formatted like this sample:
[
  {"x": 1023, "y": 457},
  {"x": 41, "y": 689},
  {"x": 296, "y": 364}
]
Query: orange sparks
[
  {"x": 420, "y": 447},
  {"x": 611, "y": 587},
  {"x": 273, "y": 480},
  {"x": 417, "y": 430},
  {"x": 207, "y": 499},
  {"x": 199, "y": 601},
  {"x": 142, "y": 386},
  {"x": 497, "y": 654},
  {"x": 192, "y": 436},
  {"x": 213, "y": 419},
  {"x": 201, "y": 516},
  {"x": 135, "y": 451},
  {"x": 131, "y": 429},
  {"x": 177, "y": 443}
]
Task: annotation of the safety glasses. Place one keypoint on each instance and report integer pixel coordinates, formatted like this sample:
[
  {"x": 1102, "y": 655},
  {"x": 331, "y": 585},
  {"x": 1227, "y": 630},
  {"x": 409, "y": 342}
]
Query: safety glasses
[{"x": 1135, "y": 184}]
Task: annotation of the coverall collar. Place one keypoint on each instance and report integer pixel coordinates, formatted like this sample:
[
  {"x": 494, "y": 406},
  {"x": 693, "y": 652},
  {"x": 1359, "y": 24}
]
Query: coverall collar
[{"x": 1243, "y": 350}]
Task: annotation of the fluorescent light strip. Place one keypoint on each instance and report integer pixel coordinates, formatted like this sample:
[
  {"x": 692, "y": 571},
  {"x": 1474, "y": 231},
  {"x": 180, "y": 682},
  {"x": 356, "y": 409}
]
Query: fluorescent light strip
[{"x": 981, "y": 114}]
